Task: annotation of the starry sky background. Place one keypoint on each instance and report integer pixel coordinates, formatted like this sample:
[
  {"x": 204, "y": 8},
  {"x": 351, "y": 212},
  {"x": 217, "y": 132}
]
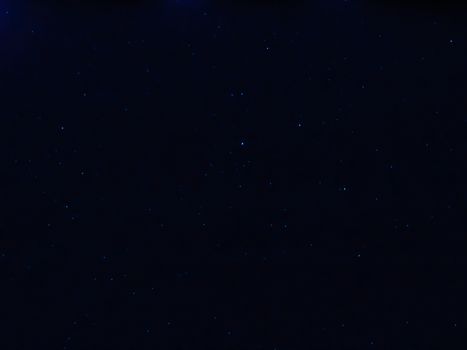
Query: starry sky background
[{"x": 199, "y": 136}]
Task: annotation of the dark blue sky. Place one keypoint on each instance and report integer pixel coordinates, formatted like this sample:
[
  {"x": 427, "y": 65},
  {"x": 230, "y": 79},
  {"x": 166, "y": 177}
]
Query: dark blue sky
[{"x": 136, "y": 134}]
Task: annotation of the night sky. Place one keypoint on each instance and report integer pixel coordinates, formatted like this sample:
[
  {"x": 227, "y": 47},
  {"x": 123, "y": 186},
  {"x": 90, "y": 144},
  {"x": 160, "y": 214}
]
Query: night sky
[{"x": 202, "y": 175}]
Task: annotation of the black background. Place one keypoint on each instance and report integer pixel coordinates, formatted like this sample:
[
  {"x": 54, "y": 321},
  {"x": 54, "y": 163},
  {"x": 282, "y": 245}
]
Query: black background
[{"x": 208, "y": 139}]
